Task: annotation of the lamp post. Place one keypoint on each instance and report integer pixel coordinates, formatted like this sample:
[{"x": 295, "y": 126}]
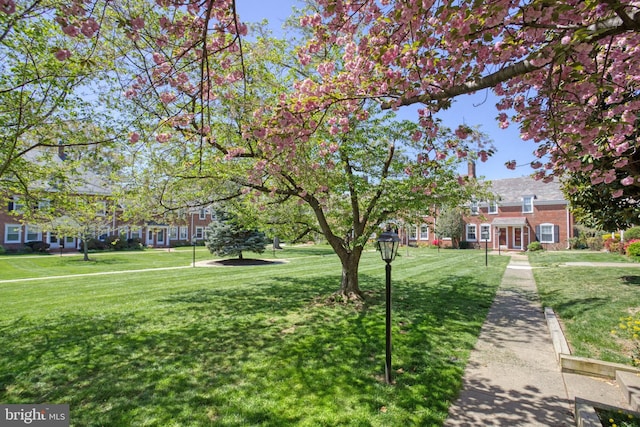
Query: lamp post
[
  {"x": 485, "y": 236},
  {"x": 388, "y": 244},
  {"x": 193, "y": 242}
]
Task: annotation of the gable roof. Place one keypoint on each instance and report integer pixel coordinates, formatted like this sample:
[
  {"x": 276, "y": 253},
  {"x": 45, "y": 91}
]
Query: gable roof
[{"x": 512, "y": 190}]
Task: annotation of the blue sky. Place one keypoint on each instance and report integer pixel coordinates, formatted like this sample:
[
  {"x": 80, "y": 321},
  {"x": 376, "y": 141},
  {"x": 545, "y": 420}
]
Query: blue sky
[{"x": 471, "y": 109}]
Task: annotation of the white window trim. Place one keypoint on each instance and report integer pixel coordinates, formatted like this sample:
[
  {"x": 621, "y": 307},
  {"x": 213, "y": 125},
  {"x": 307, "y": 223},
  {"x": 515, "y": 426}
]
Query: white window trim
[
  {"x": 485, "y": 225},
  {"x": 32, "y": 229},
  {"x": 101, "y": 208},
  {"x": 6, "y": 233},
  {"x": 523, "y": 204},
  {"x": 493, "y": 208},
  {"x": 199, "y": 233},
  {"x": 202, "y": 214},
  {"x": 424, "y": 236},
  {"x": 475, "y": 232},
  {"x": 475, "y": 208},
  {"x": 546, "y": 224}
]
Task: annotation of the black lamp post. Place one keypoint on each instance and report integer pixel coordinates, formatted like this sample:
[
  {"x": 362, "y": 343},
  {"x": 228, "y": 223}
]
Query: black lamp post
[
  {"x": 388, "y": 243},
  {"x": 193, "y": 242}
]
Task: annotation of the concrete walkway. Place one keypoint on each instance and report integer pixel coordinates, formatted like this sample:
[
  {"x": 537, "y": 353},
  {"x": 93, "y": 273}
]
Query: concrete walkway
[{"x": 513, "y": 378}]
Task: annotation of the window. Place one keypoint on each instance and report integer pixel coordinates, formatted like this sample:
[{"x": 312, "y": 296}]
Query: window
[
  {"x": 485, "y": 232},
  {"x": 199, "y": 233},
  {"x": 493, "y": 208},
  {"x": 548, "y": 233},
  {"x": 527, "y": 204},
  {"x": 33, "y": 234},
  {"x": 424, "y": 232},
  {"x": 184, "y": 233},
  {"x": 16, "y": 205},
  {"x": 136, "y": 233},
  {"x": 173, "y": 233},
  {"x": 471, "y": 233},
  {"x": 474, "y": 208},
  {"x": 12, "y": 233},
  {"x": 203, "y": 214},
  {"x": 101, "y": 208},
  {"x": 413, "y": 233},
  {"x": 44, "y": 205}
]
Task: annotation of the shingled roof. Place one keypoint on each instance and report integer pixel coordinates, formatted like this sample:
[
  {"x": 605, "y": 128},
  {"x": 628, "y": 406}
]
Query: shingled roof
[{"x": 511, "y": 190}]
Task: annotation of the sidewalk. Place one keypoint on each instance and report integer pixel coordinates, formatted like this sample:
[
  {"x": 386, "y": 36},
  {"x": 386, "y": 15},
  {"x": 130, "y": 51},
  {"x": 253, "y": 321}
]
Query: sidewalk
[{"x": 512, "y": 377}]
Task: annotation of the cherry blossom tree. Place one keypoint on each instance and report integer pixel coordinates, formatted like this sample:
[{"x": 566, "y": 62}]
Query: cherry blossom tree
[{"x": 566, "y": 71}]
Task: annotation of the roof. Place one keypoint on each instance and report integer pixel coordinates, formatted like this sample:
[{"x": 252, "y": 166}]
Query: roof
[
  {"x": 510, "y": 222},
  {"x": 511, "y": 190}
]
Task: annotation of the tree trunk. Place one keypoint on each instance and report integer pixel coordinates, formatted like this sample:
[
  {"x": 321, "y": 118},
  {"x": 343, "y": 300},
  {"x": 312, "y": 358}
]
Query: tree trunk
[
  {"x": 240, "y": 255},
  {"x": 85, "y": 250},
  {"x": 349, "y": 289}
]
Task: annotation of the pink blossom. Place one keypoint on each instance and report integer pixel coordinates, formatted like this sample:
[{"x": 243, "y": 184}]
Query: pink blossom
[
  {"x": 163, "y": 137},
  {"x": 7, "y": 6},
  {"x": 511, "y": 165},
  {"x": 71, "y": 30},
  {"x": 618, "y": 193},
  {"x": 134, "y": 137},
  {"x": 137, "y": 23},
  {"x": 89, "y": 27},
  {"x": 63, "y": 54},
  {"x": 565, "y": 40},
  {"x": 167, "y": 97},
  {"x": 627, "y": 181}
]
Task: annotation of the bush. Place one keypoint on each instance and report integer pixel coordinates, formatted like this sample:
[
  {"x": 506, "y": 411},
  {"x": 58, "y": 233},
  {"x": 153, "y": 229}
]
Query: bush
[
  {"x": 2, "y": 250},
  {"x": 633, "y": 249},
  {"x": 632, "y": 233},
  {"x": 595, "y": 243},
  {"x": 94, "y": 245},
  {"x": 613, "y": 246},
  {"x": 464, "y": 244},
  {"x": 535, "y": 246},
  {"x": 38, "y": 246}
]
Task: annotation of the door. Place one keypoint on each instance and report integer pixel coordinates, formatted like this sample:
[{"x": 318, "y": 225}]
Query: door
[
  {"x": 502, "y": 237},
  {"x": 517, "y": 238},
  {"x": 54, "y": 242}
]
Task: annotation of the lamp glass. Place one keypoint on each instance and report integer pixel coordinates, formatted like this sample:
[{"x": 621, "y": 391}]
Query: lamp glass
[{"x": 388, "y": 243}]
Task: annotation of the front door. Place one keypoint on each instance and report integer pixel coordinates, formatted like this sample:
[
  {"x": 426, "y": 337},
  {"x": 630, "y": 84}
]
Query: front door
[
  {"x": 54, "y": 242},
  {"x": 517, "y": 238},
  {"x": 502, "y": 237}
]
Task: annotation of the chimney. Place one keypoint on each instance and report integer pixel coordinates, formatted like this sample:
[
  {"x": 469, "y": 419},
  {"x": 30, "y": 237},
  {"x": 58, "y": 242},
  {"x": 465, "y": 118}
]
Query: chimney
[{"x": 471, "y": 171}]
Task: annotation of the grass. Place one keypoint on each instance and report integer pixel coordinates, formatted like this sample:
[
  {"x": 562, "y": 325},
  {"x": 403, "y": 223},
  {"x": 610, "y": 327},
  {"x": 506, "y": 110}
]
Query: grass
[
  {"x": 243, "y": 346},
  {"x": 590, "y": 301}
]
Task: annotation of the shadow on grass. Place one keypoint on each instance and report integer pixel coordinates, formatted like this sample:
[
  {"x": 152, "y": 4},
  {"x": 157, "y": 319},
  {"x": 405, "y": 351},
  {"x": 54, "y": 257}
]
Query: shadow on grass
[
  {"x": 631, "y": 280},
  {"x": 270, "y": 354}
]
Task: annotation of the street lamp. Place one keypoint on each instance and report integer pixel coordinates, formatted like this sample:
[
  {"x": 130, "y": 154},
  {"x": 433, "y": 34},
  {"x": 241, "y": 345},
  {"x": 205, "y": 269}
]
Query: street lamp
[
  {"x": 388, "y": 244},
  {"x": 194, "y": 240},
  {"x": 485, "y": 236}
]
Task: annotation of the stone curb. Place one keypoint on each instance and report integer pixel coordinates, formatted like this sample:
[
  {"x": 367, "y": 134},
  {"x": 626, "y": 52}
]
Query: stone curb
[{"x": 626, "y": 376}]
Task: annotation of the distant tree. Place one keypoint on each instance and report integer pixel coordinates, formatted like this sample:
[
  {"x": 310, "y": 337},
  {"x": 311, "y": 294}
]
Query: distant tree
[
  {"x": 228, "y": 237},
  {"x": 450, "y": 224}
]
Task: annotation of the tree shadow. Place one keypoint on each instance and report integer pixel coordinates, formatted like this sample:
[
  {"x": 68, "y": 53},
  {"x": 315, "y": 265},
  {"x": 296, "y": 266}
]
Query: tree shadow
[
  {"x": 271, "y": 354},
  {"x": 631, "y": 280}
]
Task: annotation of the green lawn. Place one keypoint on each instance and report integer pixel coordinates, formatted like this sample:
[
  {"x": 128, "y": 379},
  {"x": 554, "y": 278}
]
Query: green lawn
[
  {"x": 241, "y": 346},
  {"x": 590, "y": 301}
]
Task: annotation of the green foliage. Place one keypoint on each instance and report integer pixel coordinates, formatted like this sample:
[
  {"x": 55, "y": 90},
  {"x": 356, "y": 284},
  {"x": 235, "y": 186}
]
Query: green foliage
[
  {"x": 2, "y": 250},
  {"x": 449, "y": 223},
  {"x": 632, "y": 233},
  {"x": 227, "y": 237},
  {"x": 633, "y": 250},
  {"x": 535, "y": 246},
  {"x": 587, "y": 238}
]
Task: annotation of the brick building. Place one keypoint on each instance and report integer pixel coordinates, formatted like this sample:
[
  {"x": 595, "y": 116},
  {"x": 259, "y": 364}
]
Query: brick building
[{"x": 523, "y": 211}]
